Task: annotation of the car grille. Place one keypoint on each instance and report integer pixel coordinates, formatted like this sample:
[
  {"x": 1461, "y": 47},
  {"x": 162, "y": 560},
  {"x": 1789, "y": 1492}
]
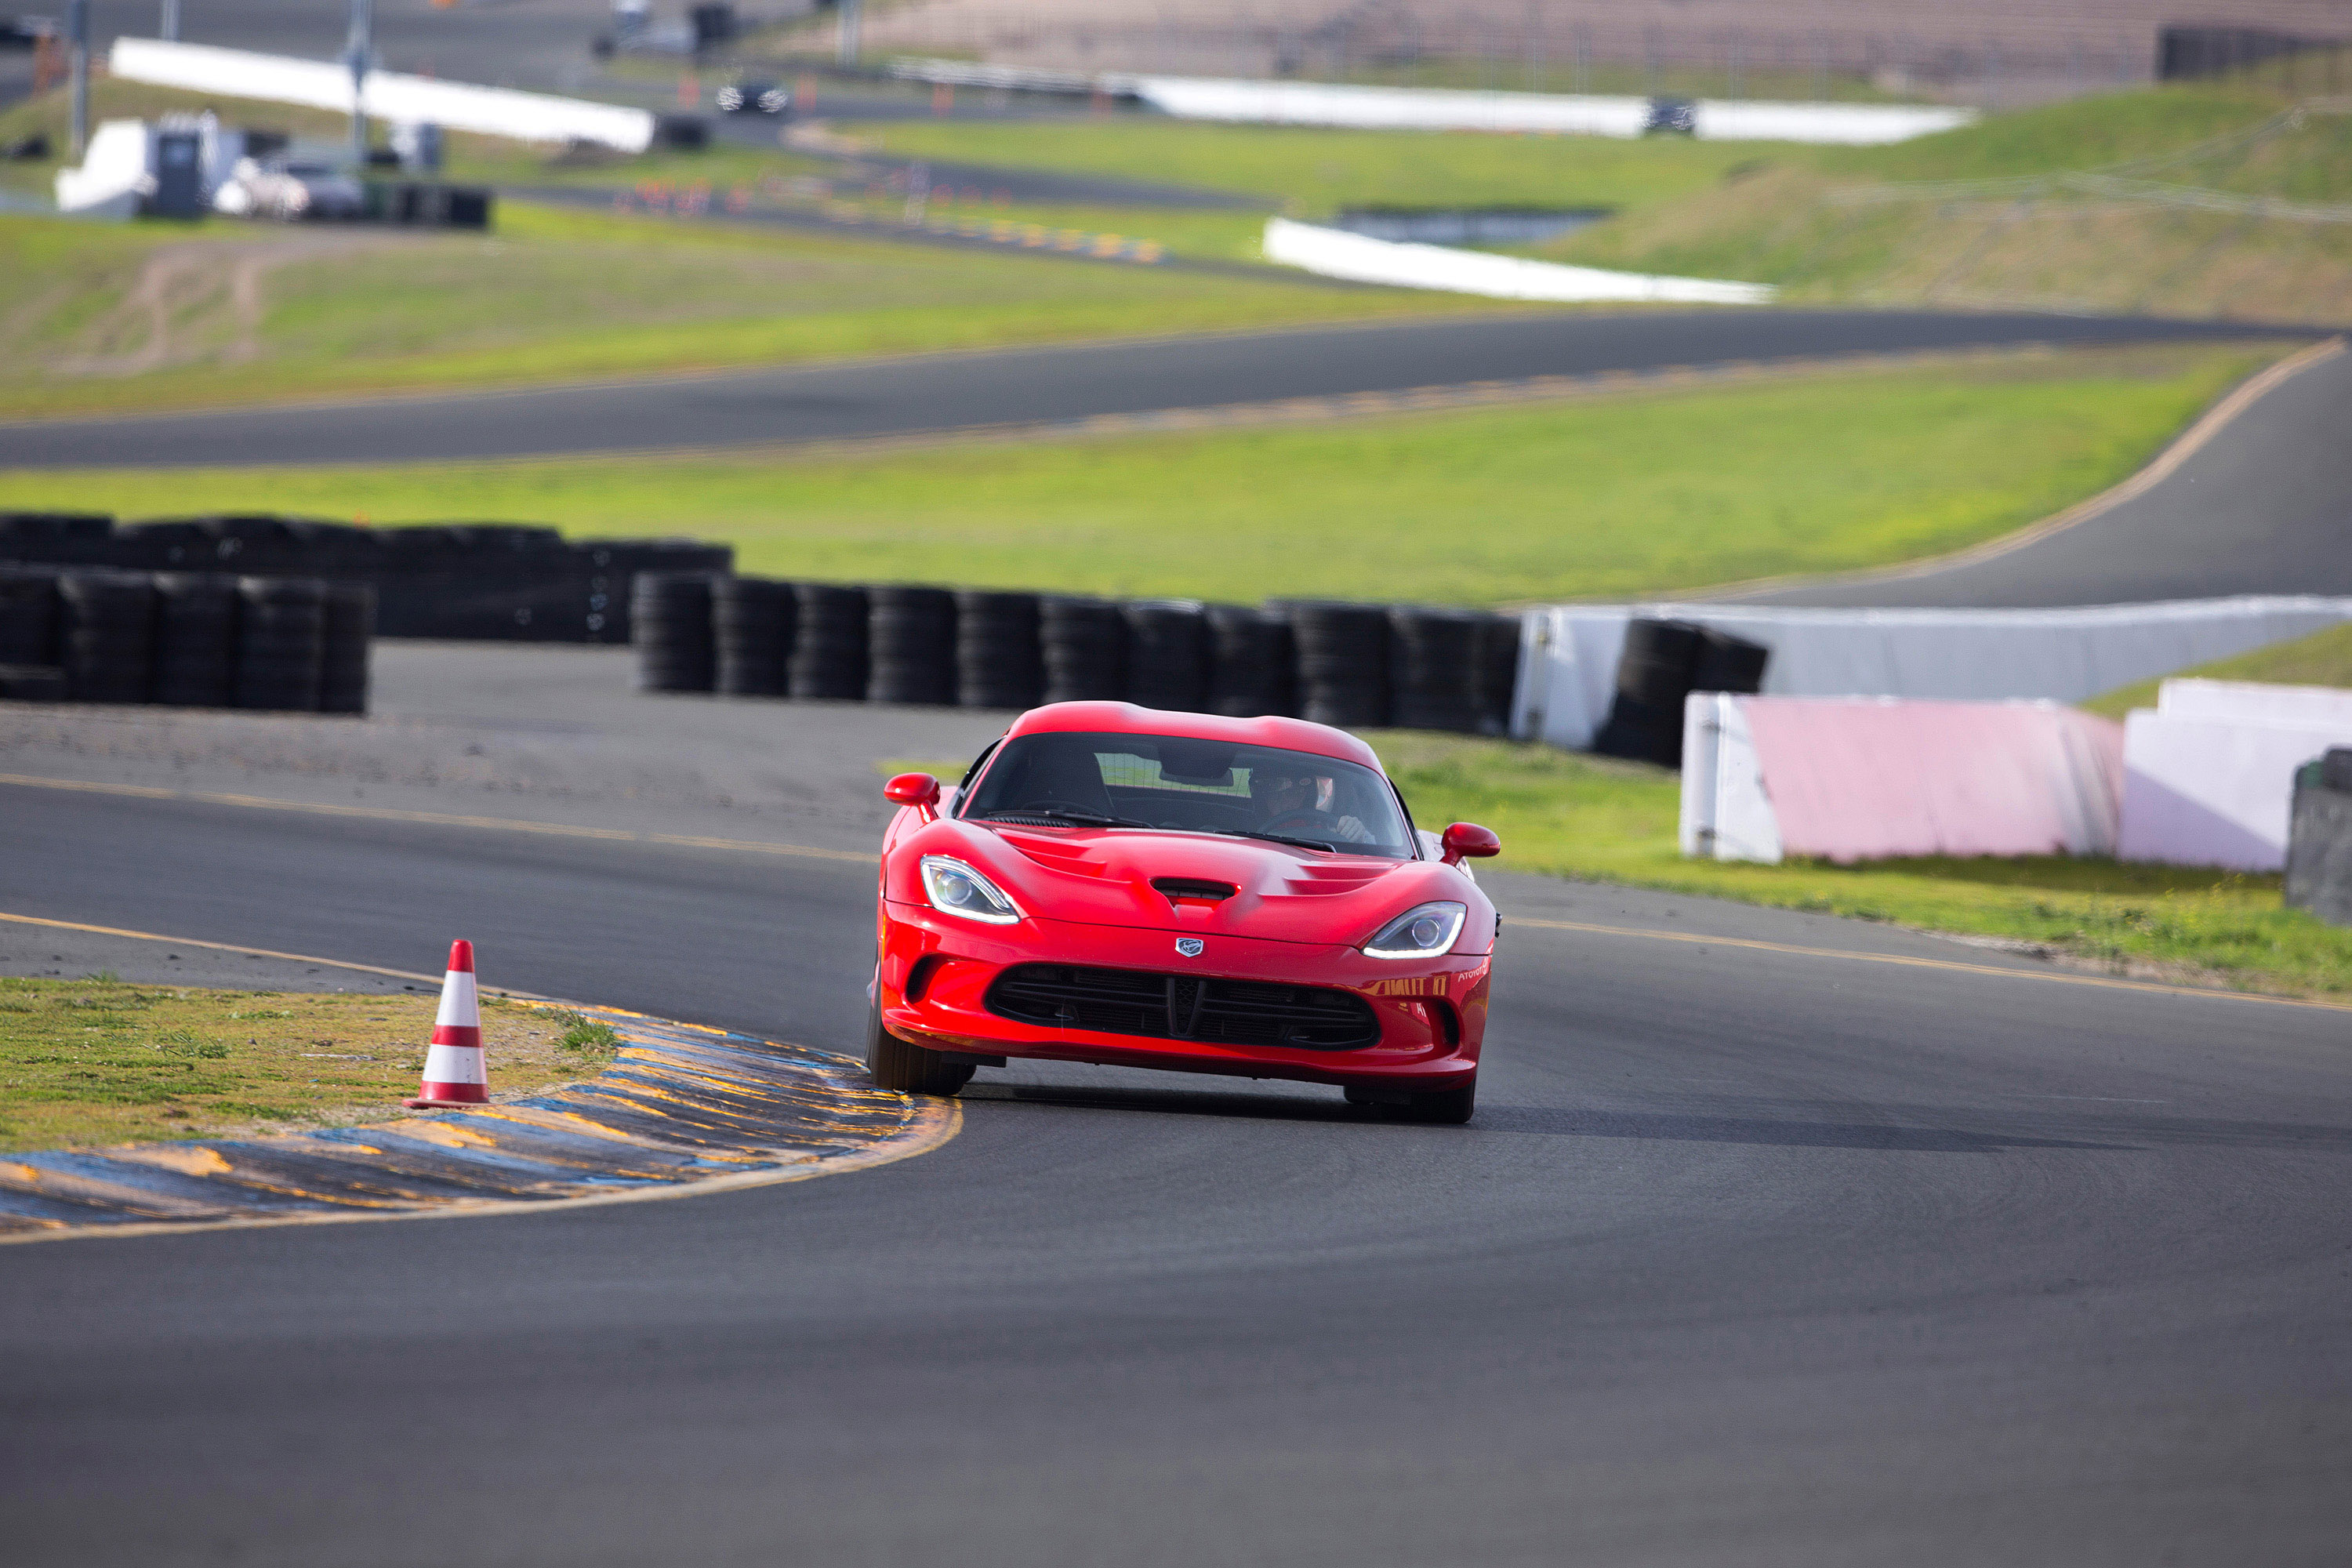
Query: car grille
[{"x": 1185, "y": 1007}]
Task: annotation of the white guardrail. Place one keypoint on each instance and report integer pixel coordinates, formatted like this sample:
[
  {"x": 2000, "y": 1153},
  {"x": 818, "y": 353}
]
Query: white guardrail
[
  {"x": 322, "y": 84},
  {"x": 1449, "y": 108},
  {"x": 1359, "y": 259},
  {"x": 1568, "y": 655}
]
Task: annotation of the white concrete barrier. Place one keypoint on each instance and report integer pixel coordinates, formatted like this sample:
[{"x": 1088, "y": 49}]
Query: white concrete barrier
[
  {"x": 1569, "y": 653},
  {"x": 1444, "y": 109},
  {"x": 1336, "y": 253},
  {"x": 322, "y": 84},
  {"x": 1848, "y": 778},
  {"x": 2209, "y": 772}
]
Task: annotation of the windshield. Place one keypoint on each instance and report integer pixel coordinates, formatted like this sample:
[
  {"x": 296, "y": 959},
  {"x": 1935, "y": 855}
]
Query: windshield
[{"x": 1172, "y": 782}]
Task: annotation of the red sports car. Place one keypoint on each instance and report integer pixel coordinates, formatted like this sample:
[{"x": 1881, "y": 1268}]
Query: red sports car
[{"x": 1118, "y": 885}]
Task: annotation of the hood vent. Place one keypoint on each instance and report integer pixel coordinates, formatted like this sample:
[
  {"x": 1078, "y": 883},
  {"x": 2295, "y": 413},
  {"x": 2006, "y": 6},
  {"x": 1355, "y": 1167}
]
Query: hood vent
[{"x": 1193, "y": 888}]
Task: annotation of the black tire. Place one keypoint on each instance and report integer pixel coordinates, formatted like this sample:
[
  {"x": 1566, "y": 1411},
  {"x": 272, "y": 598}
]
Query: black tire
[
  {"x": 1444, "y": 1108},
  {"x": 893, "y": 1064}
]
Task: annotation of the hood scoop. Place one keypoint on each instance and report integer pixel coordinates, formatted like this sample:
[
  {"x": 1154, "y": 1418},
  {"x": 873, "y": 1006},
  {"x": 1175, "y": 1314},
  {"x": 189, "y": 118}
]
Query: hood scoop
[
  {"x": 1192, "y": 890},
  {"x": 1057, "y": 854}
]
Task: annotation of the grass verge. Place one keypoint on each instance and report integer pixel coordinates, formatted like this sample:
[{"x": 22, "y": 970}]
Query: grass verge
[
  {"x": 1622, "y": 495},
  {"x": 98, "y": 1061},
  {"x": 1877, "y": 225},
  {"x": 120, "y": 319},
  {"x": 1318, "y": 171}
]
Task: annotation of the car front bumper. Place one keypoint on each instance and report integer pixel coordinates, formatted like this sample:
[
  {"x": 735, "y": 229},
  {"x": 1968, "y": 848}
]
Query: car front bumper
[{"x": 1431, "y": 1012}]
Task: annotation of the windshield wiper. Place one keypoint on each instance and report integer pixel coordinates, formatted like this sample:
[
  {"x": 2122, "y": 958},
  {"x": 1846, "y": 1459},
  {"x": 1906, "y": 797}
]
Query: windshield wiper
[
  {"x": 1278, "y": 839},
  {"x": 1083, "y": 819}
]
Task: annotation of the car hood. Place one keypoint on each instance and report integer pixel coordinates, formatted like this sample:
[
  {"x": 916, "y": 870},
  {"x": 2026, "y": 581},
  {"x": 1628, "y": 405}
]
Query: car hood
[{"x": 1108, "y": 876}]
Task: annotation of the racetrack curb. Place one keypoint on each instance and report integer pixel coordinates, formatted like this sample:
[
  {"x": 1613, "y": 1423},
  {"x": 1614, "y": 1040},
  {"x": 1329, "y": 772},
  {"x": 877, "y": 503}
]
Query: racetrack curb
[{"x": 683, "y": 1110}]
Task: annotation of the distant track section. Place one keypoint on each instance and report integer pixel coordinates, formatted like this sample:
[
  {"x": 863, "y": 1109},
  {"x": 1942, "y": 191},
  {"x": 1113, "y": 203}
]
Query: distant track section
[{"x": 941, "y": 394}]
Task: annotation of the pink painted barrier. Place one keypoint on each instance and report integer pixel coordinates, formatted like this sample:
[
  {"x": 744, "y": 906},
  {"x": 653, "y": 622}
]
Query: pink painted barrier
[{"x": 1861, "y": 778}]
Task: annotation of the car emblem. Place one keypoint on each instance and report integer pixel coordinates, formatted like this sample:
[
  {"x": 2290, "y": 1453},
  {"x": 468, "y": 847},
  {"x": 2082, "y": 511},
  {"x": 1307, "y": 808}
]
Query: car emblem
[{"x": 1189, "y": 946}]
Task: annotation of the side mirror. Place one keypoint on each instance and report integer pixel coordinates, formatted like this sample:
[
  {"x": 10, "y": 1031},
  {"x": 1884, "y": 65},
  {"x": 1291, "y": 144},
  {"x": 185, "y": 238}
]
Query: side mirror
[
  {"x": 921, "y": 791},
  {"x": 1468, "y": 841}
]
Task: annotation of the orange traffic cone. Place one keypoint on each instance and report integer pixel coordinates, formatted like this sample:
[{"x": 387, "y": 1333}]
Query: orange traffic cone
[{"x": 454, "y": 1073}]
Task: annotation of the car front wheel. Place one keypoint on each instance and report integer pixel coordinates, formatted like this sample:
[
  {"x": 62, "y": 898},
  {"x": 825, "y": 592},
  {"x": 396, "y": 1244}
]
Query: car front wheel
[
  {"x": 893, "y": 1064},
  {"x": 1446, "y": 1107}
]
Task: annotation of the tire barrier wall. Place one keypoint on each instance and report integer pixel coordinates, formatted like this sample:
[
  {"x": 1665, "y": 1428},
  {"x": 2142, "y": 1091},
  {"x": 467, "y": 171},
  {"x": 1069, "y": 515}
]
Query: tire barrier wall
[
  {"x": 501, "y": 581},
  {"x": 187, "y": 639},
  {"x": 1360, "y": 664}
]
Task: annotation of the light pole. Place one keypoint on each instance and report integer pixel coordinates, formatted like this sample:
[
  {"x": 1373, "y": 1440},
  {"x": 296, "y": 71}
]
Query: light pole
[
  {"x": 356, "y": 55},
  {"x": 848, "y": 51},
  {"x": 78, "y": 68},
  {"x": 168, "y": 29}
]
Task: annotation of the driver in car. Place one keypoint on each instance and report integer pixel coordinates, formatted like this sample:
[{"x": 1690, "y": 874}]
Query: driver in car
[{"x": 1300, "y": 805}]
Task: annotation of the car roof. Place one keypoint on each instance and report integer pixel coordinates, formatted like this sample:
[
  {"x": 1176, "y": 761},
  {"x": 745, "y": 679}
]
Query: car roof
[{"x": 1127, "y": 719}]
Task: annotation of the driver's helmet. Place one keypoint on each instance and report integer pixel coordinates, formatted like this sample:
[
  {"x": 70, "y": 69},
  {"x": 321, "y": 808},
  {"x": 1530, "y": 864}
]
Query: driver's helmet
[{"x": 1270, "y": 781}]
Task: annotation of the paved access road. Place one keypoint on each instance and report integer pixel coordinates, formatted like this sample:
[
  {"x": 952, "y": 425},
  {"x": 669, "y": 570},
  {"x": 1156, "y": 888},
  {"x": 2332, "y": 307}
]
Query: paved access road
[
  {"x": 1751, "y": 1257},
  {"x": 948, "y": 392},
  {"x": 2264, "y": 507}
]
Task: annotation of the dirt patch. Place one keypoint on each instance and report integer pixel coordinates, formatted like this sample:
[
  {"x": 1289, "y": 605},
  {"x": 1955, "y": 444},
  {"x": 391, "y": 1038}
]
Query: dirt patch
[{"x": 199, "y": 301}]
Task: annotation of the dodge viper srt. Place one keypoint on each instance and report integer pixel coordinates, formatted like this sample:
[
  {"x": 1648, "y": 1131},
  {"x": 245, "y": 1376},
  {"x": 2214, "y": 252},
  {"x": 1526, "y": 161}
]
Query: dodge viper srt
[{"x": 1118, "y": 885}]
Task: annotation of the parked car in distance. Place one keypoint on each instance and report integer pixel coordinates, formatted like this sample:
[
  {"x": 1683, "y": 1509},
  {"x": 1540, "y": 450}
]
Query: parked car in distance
[
  {"x": 1672, "y": 117},
  {"x": 755, "y": 97}
]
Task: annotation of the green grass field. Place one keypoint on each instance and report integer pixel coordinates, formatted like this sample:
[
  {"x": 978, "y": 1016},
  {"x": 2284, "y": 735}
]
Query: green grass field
[
  {"x": 1614, "y": 496},
  {"x": 1317, "y": 171},
  {"x": 118, "y": 318},
  {"x": 1792, "y": 219},
  {"x": 1782, "y": 214}
]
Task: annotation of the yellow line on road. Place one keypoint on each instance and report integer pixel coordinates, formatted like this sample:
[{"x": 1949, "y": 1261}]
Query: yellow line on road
[
  {"x": 221, "y": 947},
  {"x": 1953, "y": 965},
  {"x": 442, "y": 819}
]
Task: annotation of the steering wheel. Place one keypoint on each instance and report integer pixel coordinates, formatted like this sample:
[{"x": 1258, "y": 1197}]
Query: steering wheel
[{"x": 1306, "y": 818}]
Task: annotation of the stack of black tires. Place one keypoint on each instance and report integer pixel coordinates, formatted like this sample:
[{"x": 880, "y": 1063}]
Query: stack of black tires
[
  {"x": 184, "y": 639},
  {"x": 1000, "y": 662},
  {"x": 829, "y": 654},
  {"x": 503, "y": 581},
  {"x": 1083, "y": 643},
  {"x": 1355, "y": 665},
  {"x": 1252, "y": 662},
  {"x": 1663, "y": 663},
  {"x": 910, "y": 645},
  {"x": 675, "y": 642},
  {"x": 751, "y": 624}
]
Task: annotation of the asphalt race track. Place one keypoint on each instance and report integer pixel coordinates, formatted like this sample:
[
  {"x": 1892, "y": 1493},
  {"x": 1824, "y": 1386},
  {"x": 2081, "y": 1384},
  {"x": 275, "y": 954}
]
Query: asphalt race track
[
  {"x": 1751, "y": 1257},
  {"x": 2265, "y": 507},
  {"x": 948, "y": 392}
]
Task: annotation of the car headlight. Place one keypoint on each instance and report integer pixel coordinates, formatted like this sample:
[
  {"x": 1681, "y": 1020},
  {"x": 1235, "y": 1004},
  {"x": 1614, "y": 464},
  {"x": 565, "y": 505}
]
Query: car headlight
[
  {"x": 955, "y": 889},
  {"x": 1420, "y": 932}
]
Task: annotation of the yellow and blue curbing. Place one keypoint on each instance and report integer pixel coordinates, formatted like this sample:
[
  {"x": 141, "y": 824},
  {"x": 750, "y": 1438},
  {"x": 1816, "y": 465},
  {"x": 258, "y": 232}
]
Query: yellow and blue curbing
[{"x": 682, "y": 1110}]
